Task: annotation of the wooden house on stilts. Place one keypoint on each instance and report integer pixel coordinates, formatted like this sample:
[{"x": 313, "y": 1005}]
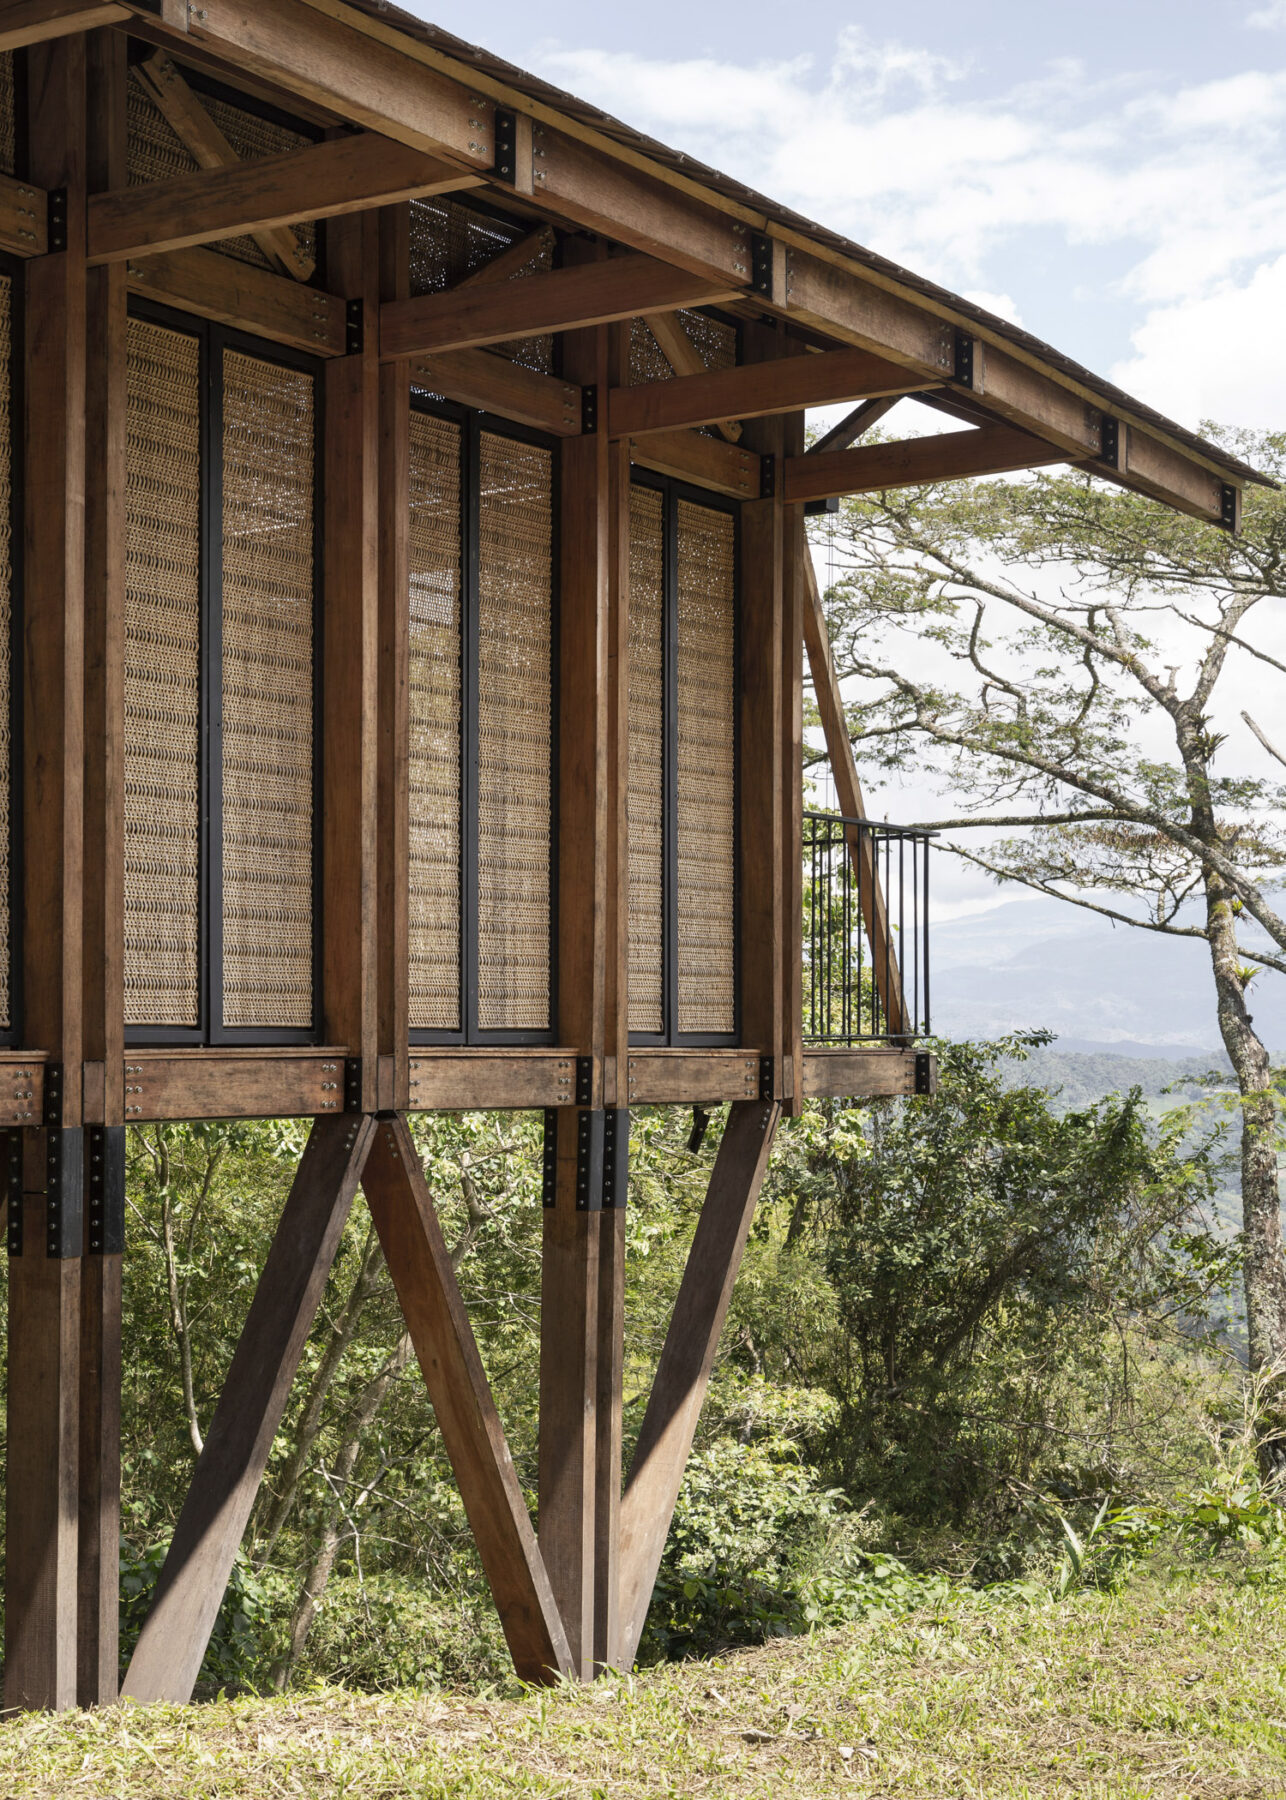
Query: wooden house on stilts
[{"x": 403, "y": 612}]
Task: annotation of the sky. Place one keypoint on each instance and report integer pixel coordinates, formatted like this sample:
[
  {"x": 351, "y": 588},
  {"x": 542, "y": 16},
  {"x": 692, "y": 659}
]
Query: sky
[{"x": 1110, "y": 175}]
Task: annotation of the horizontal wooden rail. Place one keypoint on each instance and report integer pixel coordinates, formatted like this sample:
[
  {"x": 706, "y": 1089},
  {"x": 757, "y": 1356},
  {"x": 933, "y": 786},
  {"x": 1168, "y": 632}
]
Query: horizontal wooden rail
[
  {"x": 24, "y": 218},
  {"x": 950, "y": 456},
  {"x": 233, "y": 1084},
  {"x": 26, "y": 22},
  {"x": 484, "y": 379},
  {"x": 862, "y": 1074},
  {"x": 704, "y": 461},
  {"x": 233, "y": 292}
]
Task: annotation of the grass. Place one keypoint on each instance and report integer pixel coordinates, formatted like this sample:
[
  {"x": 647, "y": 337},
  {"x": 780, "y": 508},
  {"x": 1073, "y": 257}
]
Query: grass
[{"x": 1175, "y": 1688}]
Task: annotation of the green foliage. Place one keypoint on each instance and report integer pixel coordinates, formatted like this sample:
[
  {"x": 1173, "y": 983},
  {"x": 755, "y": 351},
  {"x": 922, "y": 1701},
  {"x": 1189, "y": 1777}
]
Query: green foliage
[
  {"x": 241, "y": 1643},
  {"x": 395, "y": 1631}
]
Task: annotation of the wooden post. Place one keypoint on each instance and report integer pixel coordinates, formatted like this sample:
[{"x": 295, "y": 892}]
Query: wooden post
[
  {"x": 762, "y": 732},
  {"x": 104, "y": 895},
  {"x": 172, "y": 1644},
  {"x": 350, "y": 649},
  {"x": 683, "y": 1373},
  {"x": 569, "y": 1269},
  {"x": 792, "y": 771},
  {"x": 420, "y": 1265},
  {"x": 393, "y": 855},
  {"x": 44, "y": 1281}
]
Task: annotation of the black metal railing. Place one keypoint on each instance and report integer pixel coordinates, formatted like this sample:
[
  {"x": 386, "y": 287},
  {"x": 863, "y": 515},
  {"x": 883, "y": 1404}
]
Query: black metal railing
[{"x": 866, "y": 931}]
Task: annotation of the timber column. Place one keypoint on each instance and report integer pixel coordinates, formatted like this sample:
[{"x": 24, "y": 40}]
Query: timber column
[{"x": 45, "y": 1242}]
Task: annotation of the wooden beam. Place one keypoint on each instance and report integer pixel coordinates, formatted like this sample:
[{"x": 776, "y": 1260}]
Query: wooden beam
[
  {"x": 855, "y": 424},
  {"x": 370, "y": 83},
  {"x": 24, "y": 216},
  {"x": 562, "y": 300},
  {"x": 350, "y": 649},
  {"x": 193, "y": 126},
  {"x": 420, "y": 1265},
  {"x": 460, "y": 1081},
  {"x": 860, "y": 1074},
  {"x": 511, "y": 260},
  {"x": 911, "y": 462},
  {"x": 852, "y": 801},
  {"x": 236, "y": 293},
  {"x": 189, "y": 1590},
  {"x": 492, "y": 383},
  {"x": 25, "y": 22},
  {"x": 676, "y": 346},
  {"x": 233, "y": 1084},
  {"x": 683, "y": 1373},
  {"x": 690, "y": 1077},
  {"x": 323, "y": 181},
  {"x": 753, "y": 390},
  {"x": 794, "y": 554},
  {"x": 704, "y": 461}
]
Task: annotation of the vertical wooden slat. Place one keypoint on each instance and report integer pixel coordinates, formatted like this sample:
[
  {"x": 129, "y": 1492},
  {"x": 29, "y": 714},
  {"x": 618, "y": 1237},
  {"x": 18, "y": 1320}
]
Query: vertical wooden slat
[
  {"x": 569, "y": 1269},
  {"x": 792, "y": 770},
  {"x": 104, "y": 887},
  {"x": 687, "y": 1357},
  {"x": 167, "y": 1658},
  {"x": 609, "y": 1377},
  {"x": 44, "y": 1292},
  {"x": 420, "y": 1265},
  {"x": 761, "y": 790},
  {"x": 350, "y": 650},
  {"x": 393, "y": 856}
]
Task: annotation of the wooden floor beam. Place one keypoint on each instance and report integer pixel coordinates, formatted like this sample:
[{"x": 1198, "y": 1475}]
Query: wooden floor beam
[
  {"x": 683, "y": 1373},
  {"x": 420, "y": 1265},
  {"x": 189, "y": 1591}
]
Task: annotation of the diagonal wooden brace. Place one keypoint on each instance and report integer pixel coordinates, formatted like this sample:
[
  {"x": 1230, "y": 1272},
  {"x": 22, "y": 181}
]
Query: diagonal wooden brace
[
  {"x": 172, "y": 1645},
  {"x": 683, "y": 1373},
  {"x": 420, "y": 1265}
]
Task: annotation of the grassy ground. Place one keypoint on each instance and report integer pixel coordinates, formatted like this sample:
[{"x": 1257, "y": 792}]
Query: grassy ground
[{"x": 1175, "y": 1688}]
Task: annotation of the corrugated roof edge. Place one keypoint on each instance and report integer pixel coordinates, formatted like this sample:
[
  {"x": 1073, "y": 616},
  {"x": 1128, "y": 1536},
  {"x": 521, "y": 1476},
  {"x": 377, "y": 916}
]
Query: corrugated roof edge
[{"x": 532, "y": 87}]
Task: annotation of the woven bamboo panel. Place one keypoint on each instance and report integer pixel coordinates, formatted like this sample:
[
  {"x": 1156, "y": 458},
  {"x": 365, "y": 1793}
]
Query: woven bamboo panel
[
  {"x": 645, "y": 790},
  {"x": 162, "y": 676},
  {"x": 155, "y": 152},
  {"x": 450, "y": 241},
  {"x": 716, "y": 342},
  {"x": 515, "y": 730},
  {"x": 8, "y": 115},
  {"x": 6, "y": 622},
  {"x": 268, "y": 579},
  {"x": 434, "y": 680},
  {"x": 706, "y": 766}
]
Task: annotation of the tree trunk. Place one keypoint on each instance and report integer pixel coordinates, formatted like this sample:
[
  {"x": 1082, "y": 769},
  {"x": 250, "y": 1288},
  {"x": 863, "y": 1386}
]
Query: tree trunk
[{"x": 1265, "y": 1262}]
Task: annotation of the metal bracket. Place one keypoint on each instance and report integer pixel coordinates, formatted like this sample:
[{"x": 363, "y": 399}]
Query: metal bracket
[
  {"x": 1111, "y": 448},
  {"x": 1229, "y": 507},
  {"x": 589, "y": 408},
  {"x": 354, "y": 328},
  {"x": 53, "y": 1108},
  {"x": 106, "y": 1172},
  {"x": 549, "y": 1160},
  {"x": 11, "y": 1149},
  {"x": 767, "y": 476},
  {"x": 697, "y": 1135},
  {"x": 829, "y": 505},
  {"x": 584, "y": 1080},
  {"x": 64, "y": 1192},
  {"x": 761, "y": 264},
  {"x": 923, "y": 1072},
  {"x": 964, "y": 359},
  {"x": 505, "y": 167},
  {"x": 616, "y": 1158},
  {"x": 57, "y": 219},
  {"x": 352, "y": 1084},
  {"x": 589, "y": 1160},
  {"x": 767, "y": 1083}
]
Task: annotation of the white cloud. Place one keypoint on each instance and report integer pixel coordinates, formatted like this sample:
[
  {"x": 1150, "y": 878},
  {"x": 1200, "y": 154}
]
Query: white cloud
[{"x": 1269, "y": 18}]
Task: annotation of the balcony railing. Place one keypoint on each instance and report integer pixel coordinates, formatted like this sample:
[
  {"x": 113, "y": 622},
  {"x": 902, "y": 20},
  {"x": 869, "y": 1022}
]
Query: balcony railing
[{"x": 866, "y": 931}]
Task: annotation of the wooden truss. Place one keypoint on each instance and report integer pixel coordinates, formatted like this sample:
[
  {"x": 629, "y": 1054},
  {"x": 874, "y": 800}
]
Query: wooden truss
[{"x": 640, "y": 239}]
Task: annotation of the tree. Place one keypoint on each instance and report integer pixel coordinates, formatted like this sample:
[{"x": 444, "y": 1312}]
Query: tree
[{"x": 1057, "y": 654}]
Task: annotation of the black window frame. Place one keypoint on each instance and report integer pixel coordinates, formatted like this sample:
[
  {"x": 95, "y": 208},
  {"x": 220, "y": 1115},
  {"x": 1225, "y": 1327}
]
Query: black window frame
[
  {"x": 672, "y": 492},
  {"x": 15, "y": 268},
  {"x": 473, "y": 423},
  {"x": 210, "y": 1032}
]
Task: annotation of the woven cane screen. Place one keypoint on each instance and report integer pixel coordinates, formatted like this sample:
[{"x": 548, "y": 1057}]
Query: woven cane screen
[
  {"x": 155, "y": 152},
  {"x": 706, "y": 764},
  {"x": 515, "y": 729},
  {"x": 8, "y": 115},
  {"x": 162, "y": 676},
  {"x": 6, "y": 620},
  {"x": 268, "y": 589},
  {"x": 715, "y": 342},
  {"x": 450, "y": 241},
  {"x": 645, "y": 791},
  {"x": 435, "y": 714}
]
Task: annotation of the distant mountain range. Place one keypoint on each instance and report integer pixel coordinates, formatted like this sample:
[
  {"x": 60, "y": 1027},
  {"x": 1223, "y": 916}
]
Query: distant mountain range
[{"x": 1029, "y": 963}]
